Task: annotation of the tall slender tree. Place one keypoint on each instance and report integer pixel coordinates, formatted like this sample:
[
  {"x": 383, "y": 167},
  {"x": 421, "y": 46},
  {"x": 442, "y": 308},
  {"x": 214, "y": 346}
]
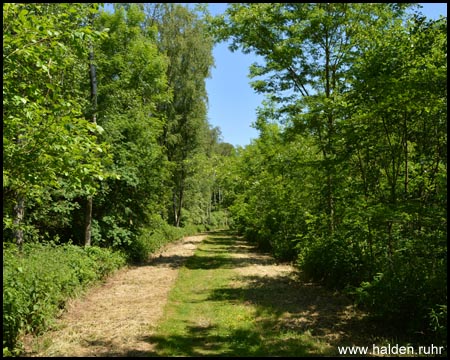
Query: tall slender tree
[
  {"x": 131, "y": 86},
  {"x": 307, "y": 49},
  {"x": 184, "y": 40},
  {"x": 93, "y": 83}
]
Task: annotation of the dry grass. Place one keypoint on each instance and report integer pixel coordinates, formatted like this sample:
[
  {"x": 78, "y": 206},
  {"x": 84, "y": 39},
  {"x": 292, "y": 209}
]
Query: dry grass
[
  {"x": 231, "y": 300},
  {"x": 110, "y": 319},
  {"x": 300, "y": 306},
  {"x": 120, "y": 317}
]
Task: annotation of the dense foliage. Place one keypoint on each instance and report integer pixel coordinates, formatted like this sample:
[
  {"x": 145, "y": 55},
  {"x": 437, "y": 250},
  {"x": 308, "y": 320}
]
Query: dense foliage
[
  {"x": 105, "y": 133},
  {"x": 348, "y": 176},
  {"x": 106, "y": 140},
  {"x": 143, "y": 152},
  {"x": 50, "y": 149},
  {"x": 38, "y": 280}
]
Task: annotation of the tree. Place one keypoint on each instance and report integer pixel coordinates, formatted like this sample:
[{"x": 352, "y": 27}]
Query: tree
[
  {"x": 183, "y": 39},
  {"x": 398, "y": 137},
  {"x": 363, "y": 88},
  {"x": 307, "y": 49},
  {"x": 132, "y": 85},
  {"x": 93, "y": 81},
  {"x": 49, "y": 146}
]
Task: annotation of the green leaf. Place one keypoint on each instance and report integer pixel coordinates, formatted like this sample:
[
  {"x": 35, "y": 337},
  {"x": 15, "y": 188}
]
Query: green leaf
[{"x": 99, "y": 129}]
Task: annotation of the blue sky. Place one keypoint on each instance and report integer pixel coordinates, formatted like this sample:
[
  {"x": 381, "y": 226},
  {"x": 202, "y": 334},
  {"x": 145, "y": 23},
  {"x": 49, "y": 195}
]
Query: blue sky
[{"x": 232, "y": 102}]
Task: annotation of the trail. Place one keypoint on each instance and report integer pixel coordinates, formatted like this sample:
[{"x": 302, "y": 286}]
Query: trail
[
  {"x": 302, "y": 306},
  {"x": 120, "y": 317},
  {"x": 113, "y": 318}
]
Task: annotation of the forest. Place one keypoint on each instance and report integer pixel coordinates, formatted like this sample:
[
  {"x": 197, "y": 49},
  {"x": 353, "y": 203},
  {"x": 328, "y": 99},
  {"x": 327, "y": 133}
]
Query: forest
[{"x": 108, "y": 152}]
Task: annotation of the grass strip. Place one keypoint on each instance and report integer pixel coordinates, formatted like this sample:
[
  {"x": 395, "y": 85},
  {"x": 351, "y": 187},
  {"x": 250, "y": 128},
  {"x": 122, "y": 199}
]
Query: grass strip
[{"x": 207, "y": 315}]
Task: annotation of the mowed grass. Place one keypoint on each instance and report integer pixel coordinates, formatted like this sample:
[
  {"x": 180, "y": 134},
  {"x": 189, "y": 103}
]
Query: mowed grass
[{"x": 207, "y": 315}]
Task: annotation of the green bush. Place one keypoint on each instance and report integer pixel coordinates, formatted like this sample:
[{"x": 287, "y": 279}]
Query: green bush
[
  {"x": 138, "y": 250},
  {"x": 153, "y": 237},
  {"x": 219, "y": 219},
  {"x": 38, "y": 280},
  {"x": 335, "y": 262},
  {"x": 410, "y": 292},
  {"x": 438, "y": 323}
]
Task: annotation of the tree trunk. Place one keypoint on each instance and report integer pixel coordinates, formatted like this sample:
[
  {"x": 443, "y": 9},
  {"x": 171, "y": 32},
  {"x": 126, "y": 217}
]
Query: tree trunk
[
  {"x": 405, "y": 146},
  {"x": 88, "y": 222},
  {"x": 180, "y": 205},
  {"x": 175, "y": 212},
  {"x": 329, "y": 168},
  {"x": 19, "y": 211},
  {"x": 88, "y": 210}
]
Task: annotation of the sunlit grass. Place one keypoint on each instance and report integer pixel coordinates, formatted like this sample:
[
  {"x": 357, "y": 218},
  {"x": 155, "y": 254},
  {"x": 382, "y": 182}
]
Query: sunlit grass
[{"x": 203, "y": 317}]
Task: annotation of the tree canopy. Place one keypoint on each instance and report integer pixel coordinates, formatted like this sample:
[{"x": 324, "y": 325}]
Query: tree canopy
[
  {"x": 347, "y": 179},
  {"x": 348, "y": 175}
]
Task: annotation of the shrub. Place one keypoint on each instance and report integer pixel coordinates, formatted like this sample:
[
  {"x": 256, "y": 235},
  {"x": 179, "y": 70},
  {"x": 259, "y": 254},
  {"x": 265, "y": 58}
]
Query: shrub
[
  {"x": 335, "y": 262},
  {"x": 154, "y": 236},
  {"x": 38, "y": 281},
  {"x": 409, "y": 292}
]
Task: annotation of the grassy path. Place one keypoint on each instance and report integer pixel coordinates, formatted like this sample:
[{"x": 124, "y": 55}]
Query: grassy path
[
  {"x": 231, "y": 301},
  {"x": 206, "y": 296},
  {"x": 113, "y": 319}
]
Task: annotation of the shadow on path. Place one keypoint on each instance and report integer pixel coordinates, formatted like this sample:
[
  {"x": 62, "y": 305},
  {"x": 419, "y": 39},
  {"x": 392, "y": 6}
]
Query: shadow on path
[{"x": 285, "y": 310}]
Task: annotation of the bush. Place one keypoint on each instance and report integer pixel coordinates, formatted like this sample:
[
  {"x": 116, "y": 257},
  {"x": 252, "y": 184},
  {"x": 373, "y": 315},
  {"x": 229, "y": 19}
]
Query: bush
[
  {"x": 409, "y": 293},
  {"x": 38, "y": 281},
  {"x": 335, "y": 262},
  {"x": 219, "y": 219},
  {"x": 153, "y": 237}
]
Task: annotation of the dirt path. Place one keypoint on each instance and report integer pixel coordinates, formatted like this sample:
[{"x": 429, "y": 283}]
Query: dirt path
[
  {"x": 302, "y": 306},
  {"x": 111, "y": 319},
  {"x": 118, "y": 317}
]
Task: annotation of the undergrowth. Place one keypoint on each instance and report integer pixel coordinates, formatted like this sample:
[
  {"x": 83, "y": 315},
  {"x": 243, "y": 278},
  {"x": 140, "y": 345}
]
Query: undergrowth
[{"x": 38, "y": 280}]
